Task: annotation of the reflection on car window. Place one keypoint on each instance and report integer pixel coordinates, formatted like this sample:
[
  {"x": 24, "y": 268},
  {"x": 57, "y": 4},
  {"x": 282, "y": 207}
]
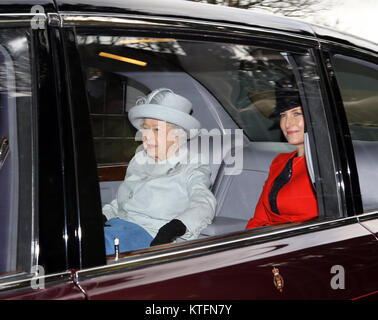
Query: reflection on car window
[
  {"x": 108, "y": 95},
  {"x": 358, "y": 82},
  {"x": 119, "y": 69},
  {"x": 231, "y": 86},
  {"x": 15, "y": 153}
]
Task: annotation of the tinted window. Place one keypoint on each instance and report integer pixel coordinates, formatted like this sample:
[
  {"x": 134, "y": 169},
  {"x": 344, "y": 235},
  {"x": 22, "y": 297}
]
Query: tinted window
[
  {"x": 231, "y": 86},
  {"x": 358, "y": 82},
  {"x": 16, "y": 205},
  {"x": 119, "y": 69},
  {"x": 109, "y": 96}
]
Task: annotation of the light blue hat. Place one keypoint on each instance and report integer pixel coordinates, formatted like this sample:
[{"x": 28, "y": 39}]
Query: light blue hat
[{"x": 164, "y": 104}]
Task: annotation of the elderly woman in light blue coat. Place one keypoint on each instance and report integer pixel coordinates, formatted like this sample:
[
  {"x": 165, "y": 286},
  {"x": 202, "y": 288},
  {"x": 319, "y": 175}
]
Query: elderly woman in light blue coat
[{"x": 165, "y": 194}]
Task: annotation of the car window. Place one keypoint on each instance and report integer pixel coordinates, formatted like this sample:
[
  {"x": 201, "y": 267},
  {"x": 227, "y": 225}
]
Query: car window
[
  {"x": 109, "y": 95},
  {"x": 240, "y": 77},
  {"x": 16, "y": 154},
  {"x": 231, "y": 86},
  {"x": 358, "y": 82}
]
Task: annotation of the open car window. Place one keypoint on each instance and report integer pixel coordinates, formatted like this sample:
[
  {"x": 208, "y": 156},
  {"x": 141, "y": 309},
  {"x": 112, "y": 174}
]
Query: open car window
[{"x": 232, "y": 90}]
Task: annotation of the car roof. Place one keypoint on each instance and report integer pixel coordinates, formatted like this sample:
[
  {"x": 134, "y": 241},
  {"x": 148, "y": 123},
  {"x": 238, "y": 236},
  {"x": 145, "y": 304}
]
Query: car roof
[{"x": 188, "y": 10}]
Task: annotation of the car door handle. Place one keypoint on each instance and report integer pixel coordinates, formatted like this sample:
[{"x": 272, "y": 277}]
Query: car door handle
[{"x": 4, "y": 150}]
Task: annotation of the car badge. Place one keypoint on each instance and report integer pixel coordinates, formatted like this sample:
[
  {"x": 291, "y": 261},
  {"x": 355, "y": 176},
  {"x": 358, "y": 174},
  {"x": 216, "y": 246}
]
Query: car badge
[{"x": 277, "y": 279}]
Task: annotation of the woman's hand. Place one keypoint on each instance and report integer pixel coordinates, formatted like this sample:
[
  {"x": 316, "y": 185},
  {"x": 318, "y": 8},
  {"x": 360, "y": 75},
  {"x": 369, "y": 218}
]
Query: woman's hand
[{"x": 169, "y": 232}]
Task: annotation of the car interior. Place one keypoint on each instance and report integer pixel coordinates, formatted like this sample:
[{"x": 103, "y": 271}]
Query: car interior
[
  {"x": 237, "y": 193},
  {"x": 234, "y": 90}
]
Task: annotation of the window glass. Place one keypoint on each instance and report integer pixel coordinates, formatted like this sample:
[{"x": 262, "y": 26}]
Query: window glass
[
  {"x": 358, "y": 83},
  {"x": 16, "y": 225},
  {"x": 231, "y": 87},
  {"x": 119, "y": 69},
  {"x": 109, "y": 94}
]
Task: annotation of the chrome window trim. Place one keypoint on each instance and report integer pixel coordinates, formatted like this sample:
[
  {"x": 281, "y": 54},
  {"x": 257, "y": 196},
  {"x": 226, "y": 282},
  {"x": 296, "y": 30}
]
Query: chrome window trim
[
  {"x": 73, "y": 18},
  {"x": 226, "y": 242},
  {"x": 20, "y": 18},
  {"x": 23, "y": 14},
  {"x": 334, "y": 44},
  {"x": 373, "y": 214},
  {"x": 53, "y": 19},
  {"x": 25, "y": 282}
]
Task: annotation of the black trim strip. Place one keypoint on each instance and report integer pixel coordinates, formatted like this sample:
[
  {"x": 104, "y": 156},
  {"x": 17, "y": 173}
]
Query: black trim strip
[{"x": 346, "y": 151}]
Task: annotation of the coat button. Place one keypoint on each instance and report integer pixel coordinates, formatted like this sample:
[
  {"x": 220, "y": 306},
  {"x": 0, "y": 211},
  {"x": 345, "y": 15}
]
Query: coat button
[{"x": 131, "y": 194}]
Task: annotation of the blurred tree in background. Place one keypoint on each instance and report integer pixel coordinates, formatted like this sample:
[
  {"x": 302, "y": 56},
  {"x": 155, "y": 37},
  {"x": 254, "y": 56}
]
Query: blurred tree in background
[{"x": 289, "y": 8}]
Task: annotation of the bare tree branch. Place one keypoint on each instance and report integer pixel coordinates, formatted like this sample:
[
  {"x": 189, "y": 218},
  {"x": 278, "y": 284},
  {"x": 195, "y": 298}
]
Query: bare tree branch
[{"x": 289, "y": 8}]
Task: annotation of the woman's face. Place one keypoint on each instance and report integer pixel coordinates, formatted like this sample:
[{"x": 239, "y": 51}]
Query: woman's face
[
  {"x": 292, "y": 125},
  {"x": 158, "y": 141}
]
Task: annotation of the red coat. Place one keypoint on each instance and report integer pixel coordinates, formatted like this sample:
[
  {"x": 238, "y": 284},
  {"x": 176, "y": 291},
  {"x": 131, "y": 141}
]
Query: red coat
[{"x": 296, "y": 200}]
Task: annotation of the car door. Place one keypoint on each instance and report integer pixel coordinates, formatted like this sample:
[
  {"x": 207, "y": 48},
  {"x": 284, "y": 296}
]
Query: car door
[
  {"x": 307, "y": 265},
  {"x": 331, "y": 257},
  {"x": 354, "y": 75},
  {"x": 33, "y": 253}
]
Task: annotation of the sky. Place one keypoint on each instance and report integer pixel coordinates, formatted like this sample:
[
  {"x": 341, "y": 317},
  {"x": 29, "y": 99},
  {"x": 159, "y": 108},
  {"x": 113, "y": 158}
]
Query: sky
[{"x": 358, "y": 17}]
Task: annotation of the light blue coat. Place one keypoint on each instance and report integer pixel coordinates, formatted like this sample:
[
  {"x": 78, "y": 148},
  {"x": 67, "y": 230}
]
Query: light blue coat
[{"x": 153, "y": 194}]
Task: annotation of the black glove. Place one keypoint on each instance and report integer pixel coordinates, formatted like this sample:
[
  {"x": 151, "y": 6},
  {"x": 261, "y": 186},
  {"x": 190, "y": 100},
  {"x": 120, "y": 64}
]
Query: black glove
[{"x": 169, "y": 232}]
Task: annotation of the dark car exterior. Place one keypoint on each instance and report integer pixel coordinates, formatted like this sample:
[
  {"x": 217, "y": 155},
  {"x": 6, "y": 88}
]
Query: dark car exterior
[{"x": 52, "y": 241}]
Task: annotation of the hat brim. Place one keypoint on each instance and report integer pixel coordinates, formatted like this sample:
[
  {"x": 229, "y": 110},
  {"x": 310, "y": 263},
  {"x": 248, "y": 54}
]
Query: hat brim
[
  {"x": 190, "y": 124},
  {"x": 277, "y": 111}
]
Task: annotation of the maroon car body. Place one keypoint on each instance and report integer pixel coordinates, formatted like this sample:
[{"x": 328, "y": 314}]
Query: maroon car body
[{"x": 333, "y": 257}]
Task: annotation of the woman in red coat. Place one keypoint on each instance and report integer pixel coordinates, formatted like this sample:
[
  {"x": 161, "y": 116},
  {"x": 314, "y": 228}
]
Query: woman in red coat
[{"x": 288, "y": 194}]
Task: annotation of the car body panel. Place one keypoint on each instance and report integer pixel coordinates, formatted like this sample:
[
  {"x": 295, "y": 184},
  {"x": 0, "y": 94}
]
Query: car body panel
[
  {"x": 327, "y": 35},
  {"x": 370, "y": 222},
  {"x": 245, "y": 272},
  {"x": 186, "y": 10},
  {"x": 57, "y": 287},
  {"x": 67, "y": 291}
]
